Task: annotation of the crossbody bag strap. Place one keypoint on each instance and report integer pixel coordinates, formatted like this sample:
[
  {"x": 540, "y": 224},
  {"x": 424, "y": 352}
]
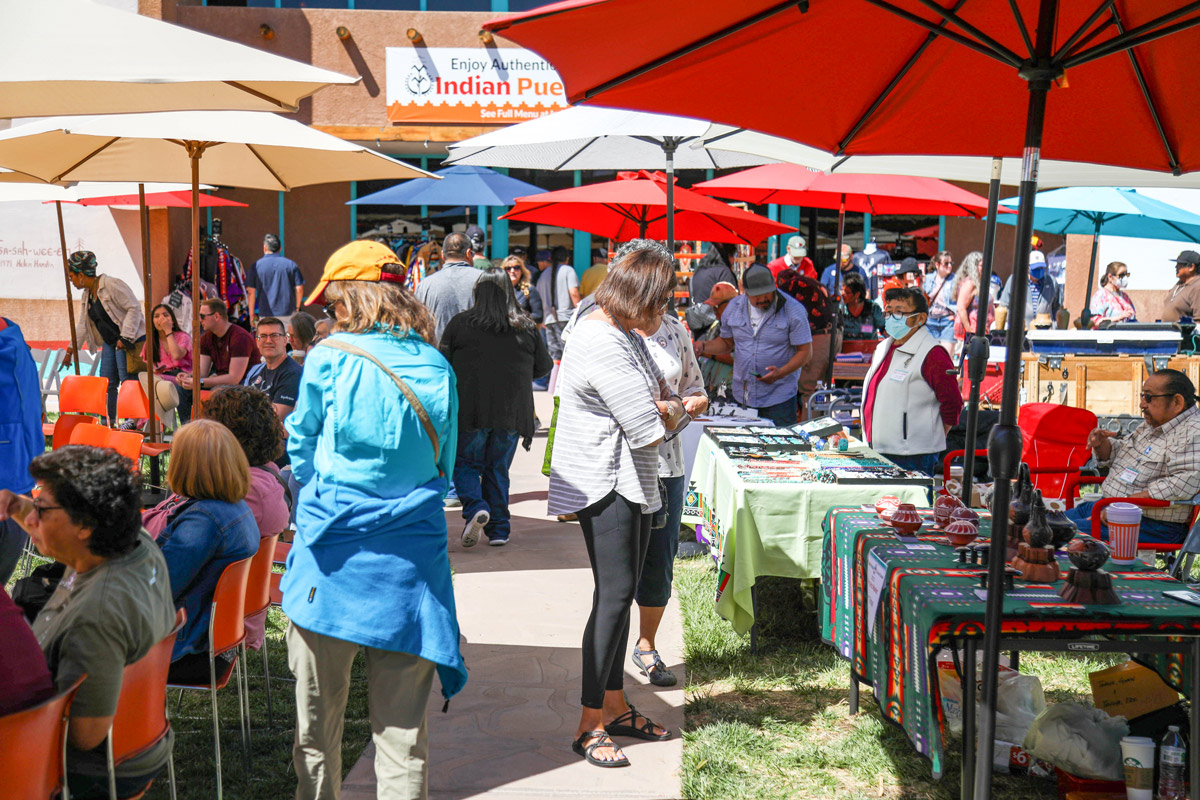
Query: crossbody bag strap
[{"x": 422, "y": 414}]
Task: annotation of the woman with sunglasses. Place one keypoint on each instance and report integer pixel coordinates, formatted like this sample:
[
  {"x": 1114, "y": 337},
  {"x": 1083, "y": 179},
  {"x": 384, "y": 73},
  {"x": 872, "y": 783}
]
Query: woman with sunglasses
[
  {"x": 528, "y": 299},
  {"x": 1110, "y": 303}
]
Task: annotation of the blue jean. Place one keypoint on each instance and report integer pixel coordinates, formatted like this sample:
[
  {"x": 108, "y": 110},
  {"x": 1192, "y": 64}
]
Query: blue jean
[
  {"x": 941, "y": 328},
  {"x": 781, "y": 414},
  {"x": 1151, "y": 531},
  {"x": 481, "y": 476},
  {"x": 113, "y": 366},
  {"x": 658, "y": 570}
]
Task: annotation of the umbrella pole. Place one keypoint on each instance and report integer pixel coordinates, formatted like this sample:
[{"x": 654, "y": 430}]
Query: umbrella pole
[
  {"x": 195, "y": 151},
  {"x": 1004, "y": 443},
  {"x": 144, "y": 218},
  {"x": 977, "y": 352},
  {"x": 668, "y": 145},
  {"x": 837, "y": 253},
  {"x": 1085, "y": 319},
  {"x": 62, "y": 243}
]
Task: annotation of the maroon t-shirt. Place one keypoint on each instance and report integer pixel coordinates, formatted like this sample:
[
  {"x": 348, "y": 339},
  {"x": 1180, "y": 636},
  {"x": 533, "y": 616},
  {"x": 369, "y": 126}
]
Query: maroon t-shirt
[
  {"x": 24, "y": 677},
  {"x": 236, "y": 343}
]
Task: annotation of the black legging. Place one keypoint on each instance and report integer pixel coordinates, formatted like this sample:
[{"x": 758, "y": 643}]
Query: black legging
[{"x": 617, "y": 534}]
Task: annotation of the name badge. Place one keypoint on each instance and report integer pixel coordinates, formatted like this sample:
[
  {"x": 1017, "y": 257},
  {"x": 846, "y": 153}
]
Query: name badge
[
  {"x": 868, "y": 328},
  {"x": 898, "y": 375},
  {"x": 1129, "y": 475}
]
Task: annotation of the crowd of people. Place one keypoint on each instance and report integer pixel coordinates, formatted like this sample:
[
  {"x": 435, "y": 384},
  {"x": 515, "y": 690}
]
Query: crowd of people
[{"x": 359, "y": 426}]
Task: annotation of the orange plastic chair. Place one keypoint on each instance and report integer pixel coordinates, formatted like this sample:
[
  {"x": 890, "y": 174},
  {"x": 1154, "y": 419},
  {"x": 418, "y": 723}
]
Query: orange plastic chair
[
  {"x": 226, "y": 632},
  {"x": 132, "y": 402},
  {"x": 258, "y": 601},
  {"x": 84, "y": 394},
  {"x": 94, "y": 435},
  {"x": 37, "y": 767},
  {"x": 64, "y": 425},
  {"x": 127, "y": 443},
  {"x": 141, "y": 720}
]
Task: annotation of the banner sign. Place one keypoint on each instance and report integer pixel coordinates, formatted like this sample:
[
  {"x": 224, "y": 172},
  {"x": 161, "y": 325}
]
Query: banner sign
[{"x": 470, "y": 84}]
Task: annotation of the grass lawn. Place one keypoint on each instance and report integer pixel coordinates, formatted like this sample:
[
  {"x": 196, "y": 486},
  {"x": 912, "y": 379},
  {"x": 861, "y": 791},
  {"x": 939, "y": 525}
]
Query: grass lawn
[{"x": 777, "y": 724}]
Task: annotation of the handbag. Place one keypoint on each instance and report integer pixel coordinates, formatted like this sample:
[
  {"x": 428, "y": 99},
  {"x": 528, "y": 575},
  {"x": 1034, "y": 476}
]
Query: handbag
[{"x": 409, "y": 395}]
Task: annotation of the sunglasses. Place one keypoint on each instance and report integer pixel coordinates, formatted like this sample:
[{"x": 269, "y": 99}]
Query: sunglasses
[
  {"x": 1146, "y": 397},
  {"x": 206, "y": 316},
  {"x": 512, "y": 269}
]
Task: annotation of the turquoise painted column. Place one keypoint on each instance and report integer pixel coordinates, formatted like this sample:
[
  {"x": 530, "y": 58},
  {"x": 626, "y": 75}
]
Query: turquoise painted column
[
  {"x": 775, "y": 244},
  {"x": 866, "y": 229},
  {"x": 941, "y": 233},
  {"x": 499, "y": 237},
  {"x": 209, "y": 228},
  {"x": 353, "y": 196},
  {"x": 582, "y": 243},
  {"x": 282, "y": 241},
  {"x": 790, "y": 216},
  {"x": 424, "y": 159}
]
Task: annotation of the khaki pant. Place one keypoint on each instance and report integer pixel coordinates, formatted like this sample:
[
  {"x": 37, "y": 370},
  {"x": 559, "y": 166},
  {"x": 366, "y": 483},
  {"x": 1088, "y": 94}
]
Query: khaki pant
[{"x": 398, "y": 687}]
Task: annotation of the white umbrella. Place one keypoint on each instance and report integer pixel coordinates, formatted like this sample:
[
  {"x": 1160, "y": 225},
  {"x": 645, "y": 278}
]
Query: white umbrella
[
  {"x": 591, "y": 137},
  {"x": 248, "y": 149},
  {"x": 81, "y": 57}
]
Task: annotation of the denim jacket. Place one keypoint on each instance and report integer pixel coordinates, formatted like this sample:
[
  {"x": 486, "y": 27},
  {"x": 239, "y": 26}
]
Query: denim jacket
[{"x": 200, "y": 540}]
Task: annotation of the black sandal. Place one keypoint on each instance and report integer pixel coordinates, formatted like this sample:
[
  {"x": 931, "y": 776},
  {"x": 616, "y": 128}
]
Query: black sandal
[
  {"x": 657, "y": 673},
  {"x": 645, "y": 731},
  {"x": 602, "y": 740}
]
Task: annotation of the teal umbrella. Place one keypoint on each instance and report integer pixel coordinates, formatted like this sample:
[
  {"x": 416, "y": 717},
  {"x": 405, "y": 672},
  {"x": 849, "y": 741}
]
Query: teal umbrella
[{"x": 1107, "y": 210}]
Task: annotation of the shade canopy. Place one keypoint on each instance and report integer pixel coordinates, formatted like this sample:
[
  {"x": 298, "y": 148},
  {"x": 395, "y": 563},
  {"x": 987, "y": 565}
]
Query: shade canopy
[
  {"x": 177, "y": 199},
  {"x": 635, "y": 205},
  {"x": 247, "y": 149},
  {"x": 591, "y": 137},
  {"x": 82, "y": 57},
  {"x": 39, "y": 191},
  {"x": 792, "y": 184},
  {"x": 1108, "y": 211},
  {"x": 453, "y": 186}
]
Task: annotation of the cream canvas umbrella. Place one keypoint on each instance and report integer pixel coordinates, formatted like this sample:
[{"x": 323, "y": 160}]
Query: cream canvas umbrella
[
  {"x": 251, "y": 150},
  {"x": 81, "y": 57}
]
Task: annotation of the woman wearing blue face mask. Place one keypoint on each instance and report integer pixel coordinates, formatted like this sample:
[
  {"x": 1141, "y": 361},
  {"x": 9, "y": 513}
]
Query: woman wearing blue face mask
[
  {"x": 911, "y": 398},
  {"x": 1110, "y": 303},
  {"x": 1042, "y": 296}
]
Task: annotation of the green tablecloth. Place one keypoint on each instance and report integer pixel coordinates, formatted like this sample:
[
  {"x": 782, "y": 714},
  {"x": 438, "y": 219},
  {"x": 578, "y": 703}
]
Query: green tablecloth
[
  {"x": 907, "y": 600},
  {"x": 757, "y": 529}
]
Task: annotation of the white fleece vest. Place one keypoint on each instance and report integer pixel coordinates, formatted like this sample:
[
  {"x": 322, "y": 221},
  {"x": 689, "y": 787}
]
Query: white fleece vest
[{"x": 907, "y": 417}]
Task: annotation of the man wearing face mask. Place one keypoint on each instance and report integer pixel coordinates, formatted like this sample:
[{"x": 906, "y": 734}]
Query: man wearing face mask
[
  {"x": 1041, "y": 295},
  {"x": 768, "y": 334},
  {"x": 1183, "y": 299},
  {"x": 911, "y": 397}
]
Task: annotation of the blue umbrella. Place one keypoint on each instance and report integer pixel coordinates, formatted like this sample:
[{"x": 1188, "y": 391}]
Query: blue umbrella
[
  {"x": 1114, "y": 212},
  {"x": 459, "y": 186}
]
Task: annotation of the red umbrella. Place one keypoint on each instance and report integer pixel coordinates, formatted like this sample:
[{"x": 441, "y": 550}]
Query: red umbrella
[
  {"x": 182, "y": 199},
  {"x": 1109, "y": 81},
  {"x": 635, "y": 205}
]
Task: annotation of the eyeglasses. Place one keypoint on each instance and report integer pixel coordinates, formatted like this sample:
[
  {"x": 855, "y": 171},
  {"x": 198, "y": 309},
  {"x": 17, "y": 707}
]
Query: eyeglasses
[
  {"x": 1148, "y": 397},
  {"x": 262, "y": 337},
  {"x": 40, "y": 509},
  {"x": 329, "y": 309},
  {"x": 902, "y": 316}
]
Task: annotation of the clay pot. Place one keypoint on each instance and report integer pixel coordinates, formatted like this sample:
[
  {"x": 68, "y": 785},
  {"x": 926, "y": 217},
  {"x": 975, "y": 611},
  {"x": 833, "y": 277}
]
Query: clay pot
[
  {"x": 962, "y": 512},
  {"x": 887, "y": 504},
  {"x": 1087, "y": 553},
  {"x": 1038, "y": 532},
  {"x": 1062, "y": 529},
  {"x": 943, "y": 507},
  {"x": 961, "y": 533},
  {"x": 905, "y": 520}
]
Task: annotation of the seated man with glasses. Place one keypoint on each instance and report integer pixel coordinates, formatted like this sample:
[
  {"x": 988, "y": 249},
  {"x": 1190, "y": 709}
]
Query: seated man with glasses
[
  {"x": 1160, "y": 460},
  {"x": 227, "y": 351},
  {"x": 278, "y": 375}
]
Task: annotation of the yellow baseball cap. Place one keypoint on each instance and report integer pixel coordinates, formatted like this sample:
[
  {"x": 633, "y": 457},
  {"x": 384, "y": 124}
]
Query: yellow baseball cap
[{"x": 359, "y": 261}]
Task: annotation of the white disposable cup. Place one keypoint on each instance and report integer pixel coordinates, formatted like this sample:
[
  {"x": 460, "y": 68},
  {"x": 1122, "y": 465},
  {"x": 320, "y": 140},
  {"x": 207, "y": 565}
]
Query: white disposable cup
[
  {"x": 1124, "y": 521},
  {"x": 1137, "y": 755}
]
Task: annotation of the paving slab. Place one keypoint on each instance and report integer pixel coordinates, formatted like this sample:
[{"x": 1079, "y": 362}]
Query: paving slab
[{"x": 521, "y": 609}]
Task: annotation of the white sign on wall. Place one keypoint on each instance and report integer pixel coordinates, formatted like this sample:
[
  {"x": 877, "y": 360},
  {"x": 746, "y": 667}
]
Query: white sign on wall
[{"x": 470, "y": 84}]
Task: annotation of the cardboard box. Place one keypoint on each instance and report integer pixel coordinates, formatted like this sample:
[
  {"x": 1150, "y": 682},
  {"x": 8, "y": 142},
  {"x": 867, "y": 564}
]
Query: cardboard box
[{"x": 1130, "y": 690}]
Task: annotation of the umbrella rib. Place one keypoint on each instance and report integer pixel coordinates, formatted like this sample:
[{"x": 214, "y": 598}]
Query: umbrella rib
[
  {"x": 688, "y": 49},
  {"x": 267, "y": 167},
  {"x": 574, "y": 155},
  {"x": 1022, "y": 27},
  {"x": 266, "y": 97},
  {"x": 939, "y": 28},
  {"x": 1078, "y": 34},
  {"x": 450, "y": 159},
  {"x": 85, "y": 159},
  {"x": 1137, "y": 36},
  {"x": 1151, "y": 106},
  {"x": 930, "y": 38},
  {"x": 950, "y": 16}
]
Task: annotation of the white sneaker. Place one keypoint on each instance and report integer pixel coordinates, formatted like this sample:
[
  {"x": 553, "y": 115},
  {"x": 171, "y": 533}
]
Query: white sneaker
[
  {"x": 498, "y": 542},
  {"x": 474, "y": 529}
]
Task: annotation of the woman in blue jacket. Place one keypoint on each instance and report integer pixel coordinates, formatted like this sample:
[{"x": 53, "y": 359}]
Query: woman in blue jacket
[
  {"x": 372, "y": 442},
  {"x": 209, "y": 529}
]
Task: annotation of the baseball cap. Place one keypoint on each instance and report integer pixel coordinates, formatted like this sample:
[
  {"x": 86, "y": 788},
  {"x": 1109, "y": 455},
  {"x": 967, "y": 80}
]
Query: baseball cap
[
  {"x": 359, "y": 261},
  {"x": 1188, "y": 257},
  {"x": 1037, "y": 257},
  {"x": 477, "y": 236},
  {"x": 757, "y": 280},
  {"x": 908, "y": 265},
  {"x": 543, "y": 255},
  {"x": 722, "y": 292},
  {"x": 797, "y": 247}
]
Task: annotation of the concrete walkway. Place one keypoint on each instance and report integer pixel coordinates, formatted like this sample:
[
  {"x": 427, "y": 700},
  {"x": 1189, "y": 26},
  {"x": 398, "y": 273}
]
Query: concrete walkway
[{"x": 522, "y": 609}]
